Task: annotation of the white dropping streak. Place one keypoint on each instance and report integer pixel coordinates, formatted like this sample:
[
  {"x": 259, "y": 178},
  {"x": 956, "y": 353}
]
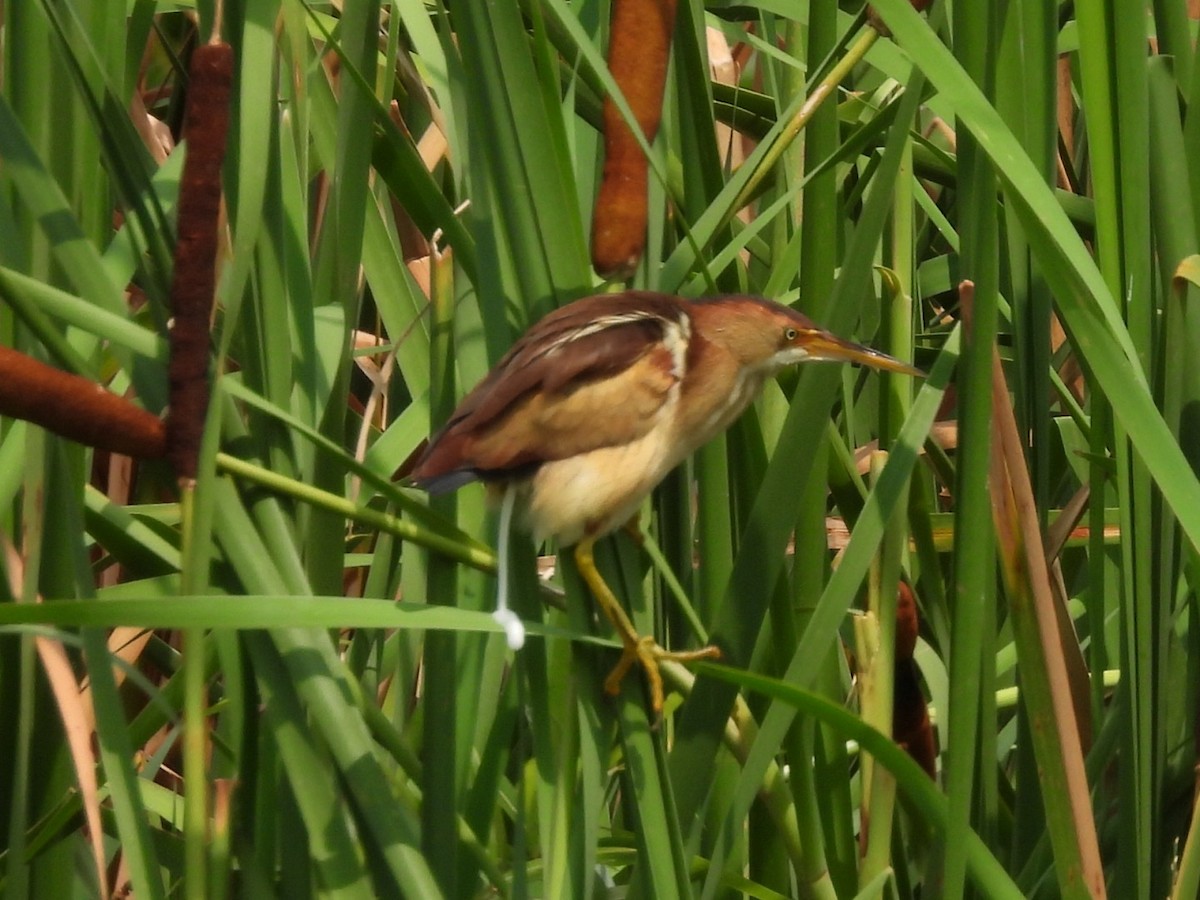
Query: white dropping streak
[{"x": 514, "y": 630}]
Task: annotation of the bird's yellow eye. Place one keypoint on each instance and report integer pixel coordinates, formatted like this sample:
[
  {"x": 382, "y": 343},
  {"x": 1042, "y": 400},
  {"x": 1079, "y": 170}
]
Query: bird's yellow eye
[{"x": 790, "y": 334}]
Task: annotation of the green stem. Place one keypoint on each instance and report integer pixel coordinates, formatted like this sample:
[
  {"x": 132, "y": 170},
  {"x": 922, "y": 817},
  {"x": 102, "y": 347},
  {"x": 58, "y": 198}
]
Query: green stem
[
  {"x": 827, "y": 86},
  {"x": 474, "y": 555},
  {"x": 195, "y": 775}
]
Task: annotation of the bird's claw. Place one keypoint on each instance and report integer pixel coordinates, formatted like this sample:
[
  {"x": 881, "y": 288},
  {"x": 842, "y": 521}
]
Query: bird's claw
[{"x": 645, "y": 651}]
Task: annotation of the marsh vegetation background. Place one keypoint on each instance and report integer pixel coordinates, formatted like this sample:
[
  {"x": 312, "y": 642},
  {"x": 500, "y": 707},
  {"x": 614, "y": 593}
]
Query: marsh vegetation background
[{"x": 291, "y": 685}]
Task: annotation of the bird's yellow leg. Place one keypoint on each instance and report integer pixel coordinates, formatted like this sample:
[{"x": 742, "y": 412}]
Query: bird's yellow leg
[{"x": 637, "y": 648}]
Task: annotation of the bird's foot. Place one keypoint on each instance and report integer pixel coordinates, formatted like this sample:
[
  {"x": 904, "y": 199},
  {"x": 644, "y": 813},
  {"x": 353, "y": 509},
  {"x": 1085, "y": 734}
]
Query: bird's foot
[{"x": 643, "y": 649}]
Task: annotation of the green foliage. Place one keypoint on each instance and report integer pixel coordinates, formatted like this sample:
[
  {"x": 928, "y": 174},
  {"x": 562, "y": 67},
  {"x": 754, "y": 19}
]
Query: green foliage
[{"x": 288, "y": 682}]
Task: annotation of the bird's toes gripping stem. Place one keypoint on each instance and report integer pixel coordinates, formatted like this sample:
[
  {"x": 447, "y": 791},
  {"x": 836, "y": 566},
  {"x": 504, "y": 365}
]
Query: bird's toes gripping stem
[
  {"x": 638, "y": 648},
  {"x": 644, "y": 650}
]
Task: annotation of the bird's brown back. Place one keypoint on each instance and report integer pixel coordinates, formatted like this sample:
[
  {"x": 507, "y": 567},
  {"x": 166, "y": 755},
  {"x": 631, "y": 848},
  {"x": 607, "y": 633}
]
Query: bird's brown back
[{"x": 602, "y": 353}]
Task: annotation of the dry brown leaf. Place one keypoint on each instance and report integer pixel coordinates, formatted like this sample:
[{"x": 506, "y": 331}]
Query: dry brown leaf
[{"x": 78, "y": 717}]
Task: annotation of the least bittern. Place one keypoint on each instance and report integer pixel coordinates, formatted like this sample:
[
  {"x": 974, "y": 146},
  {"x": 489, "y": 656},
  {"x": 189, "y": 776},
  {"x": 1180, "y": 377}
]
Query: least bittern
[{"x": 599, "y": 400}]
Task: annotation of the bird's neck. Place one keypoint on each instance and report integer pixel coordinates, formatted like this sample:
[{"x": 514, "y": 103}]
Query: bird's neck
[{"x": 717, "y": 389}]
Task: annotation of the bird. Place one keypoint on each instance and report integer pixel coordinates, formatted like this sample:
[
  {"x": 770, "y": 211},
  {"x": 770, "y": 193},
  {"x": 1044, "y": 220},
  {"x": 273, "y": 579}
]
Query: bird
[{"x": 599, "y": 400}]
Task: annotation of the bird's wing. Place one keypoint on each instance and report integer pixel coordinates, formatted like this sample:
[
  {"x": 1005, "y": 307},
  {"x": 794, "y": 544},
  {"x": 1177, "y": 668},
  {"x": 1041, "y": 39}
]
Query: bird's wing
[
  {"x": 591, "y": 375},
  {"x": 600, "y": 405}
]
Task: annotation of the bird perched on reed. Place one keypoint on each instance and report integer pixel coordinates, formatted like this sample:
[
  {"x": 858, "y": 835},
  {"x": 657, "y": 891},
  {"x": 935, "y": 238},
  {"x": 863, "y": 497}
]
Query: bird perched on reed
[{"x": 599, "y": 400}]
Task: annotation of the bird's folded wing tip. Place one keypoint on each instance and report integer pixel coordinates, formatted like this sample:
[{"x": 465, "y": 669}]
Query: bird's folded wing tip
[{"x": 443, "y": 483}]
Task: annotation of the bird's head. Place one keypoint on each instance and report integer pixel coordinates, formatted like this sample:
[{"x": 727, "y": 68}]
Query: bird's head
[{"x": 766, "y": 337}]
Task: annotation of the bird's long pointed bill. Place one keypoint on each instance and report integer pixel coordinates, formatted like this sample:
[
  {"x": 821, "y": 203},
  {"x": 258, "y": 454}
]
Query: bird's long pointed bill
[{"x": 826, "y": 346}]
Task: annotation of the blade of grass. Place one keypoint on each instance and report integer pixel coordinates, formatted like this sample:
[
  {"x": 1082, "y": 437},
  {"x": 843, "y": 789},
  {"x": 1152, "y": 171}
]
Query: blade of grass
[
  {"x": 1083, "y": 298},
  {"x": 840, "y": 591},
  {"x": 974, "y": 565},
  {"x": 771, "y": 520},
  {"x": 988, "y": 875},
  {"x": 1046, "y": 690}
]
